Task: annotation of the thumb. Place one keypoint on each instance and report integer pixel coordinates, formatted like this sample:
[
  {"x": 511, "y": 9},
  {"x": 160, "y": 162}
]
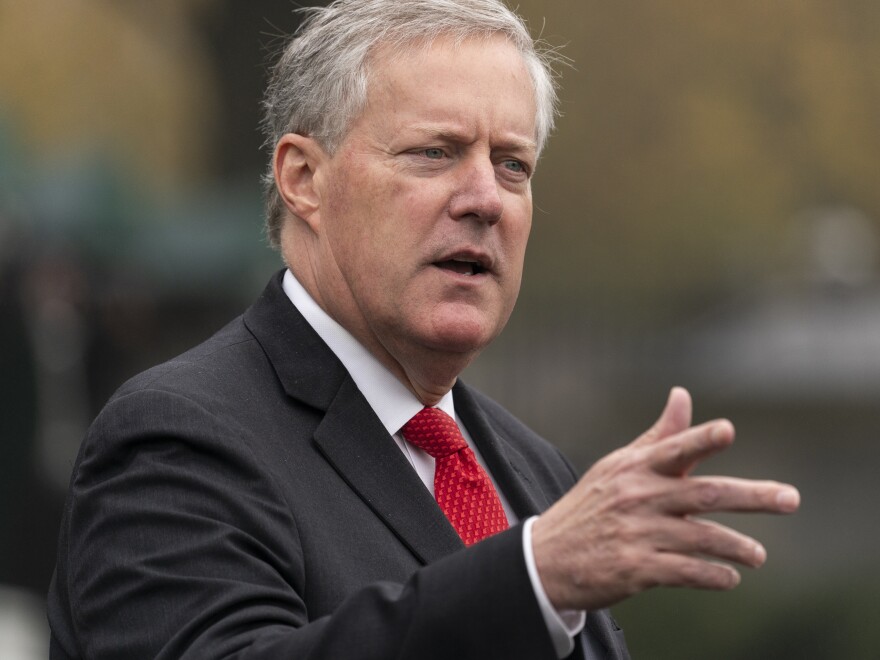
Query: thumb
[{"x": 675, "y": 418}]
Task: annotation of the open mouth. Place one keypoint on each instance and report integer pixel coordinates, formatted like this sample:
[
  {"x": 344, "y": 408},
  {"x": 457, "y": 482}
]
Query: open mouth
[{"x": 462, "y": 266}]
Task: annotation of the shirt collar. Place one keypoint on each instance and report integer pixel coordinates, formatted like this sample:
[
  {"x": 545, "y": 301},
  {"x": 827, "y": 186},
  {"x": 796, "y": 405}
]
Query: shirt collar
[{"x": 392, "y": 402}]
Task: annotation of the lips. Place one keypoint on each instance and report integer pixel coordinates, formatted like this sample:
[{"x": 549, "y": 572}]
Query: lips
[
  {"x": 465, "y": 262},
  {"x": 461, "y": 267}
]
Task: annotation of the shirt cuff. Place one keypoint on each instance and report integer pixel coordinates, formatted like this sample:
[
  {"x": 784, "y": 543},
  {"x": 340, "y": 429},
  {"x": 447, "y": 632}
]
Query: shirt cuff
[{"x": 563, "y": 626}]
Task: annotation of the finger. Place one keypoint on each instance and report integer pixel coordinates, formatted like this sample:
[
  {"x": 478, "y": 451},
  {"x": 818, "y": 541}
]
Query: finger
[
  {"x": 691, "y": 536},
  {"x": 710, "y": 494},
  {"x": 676, "y": 417},
  {"x": 674, "y": 570},
  {"x": 679, "y": 454}
]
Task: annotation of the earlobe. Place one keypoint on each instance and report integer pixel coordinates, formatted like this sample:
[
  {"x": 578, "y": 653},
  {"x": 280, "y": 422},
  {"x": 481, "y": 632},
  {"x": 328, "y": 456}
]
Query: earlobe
[{"x": 295, "y": 163}]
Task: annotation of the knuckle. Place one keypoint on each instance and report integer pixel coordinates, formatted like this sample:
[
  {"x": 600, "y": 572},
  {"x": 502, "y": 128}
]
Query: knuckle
[
  {"x": 705, "y": 543},
  {"x": 708, "y": 496},
  {"x": 626, "y": 567},
  {"x": 629, "y": 533},
  {"x": 632, "y": 498},
  {"x": 678, "y": 453},
  {"x": 630, "y": 458},
  {"x": 618, "y": 462},
  {"x": 630, "y": 571}
]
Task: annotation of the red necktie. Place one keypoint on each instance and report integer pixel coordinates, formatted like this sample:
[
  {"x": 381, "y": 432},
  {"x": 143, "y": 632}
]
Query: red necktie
[{"x": 461, "y": 486}]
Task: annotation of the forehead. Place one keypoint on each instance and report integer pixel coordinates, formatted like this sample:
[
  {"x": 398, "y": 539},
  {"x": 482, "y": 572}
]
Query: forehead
[{"x": 475, "y": 79}]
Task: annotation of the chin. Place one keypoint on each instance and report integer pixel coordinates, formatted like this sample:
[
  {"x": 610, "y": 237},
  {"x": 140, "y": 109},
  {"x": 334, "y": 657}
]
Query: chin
[{"x": 463, "y": 335}]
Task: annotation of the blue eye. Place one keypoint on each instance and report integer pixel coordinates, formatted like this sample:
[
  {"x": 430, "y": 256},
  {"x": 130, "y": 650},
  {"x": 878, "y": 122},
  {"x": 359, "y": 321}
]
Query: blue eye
[
  {"x": 514, "y": 166},
  {"x": 434, "y": 154}
]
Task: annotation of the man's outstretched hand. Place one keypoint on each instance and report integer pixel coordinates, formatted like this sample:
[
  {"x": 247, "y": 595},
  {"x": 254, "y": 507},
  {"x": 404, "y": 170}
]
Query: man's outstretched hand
[{"x": 629, "y": 523}]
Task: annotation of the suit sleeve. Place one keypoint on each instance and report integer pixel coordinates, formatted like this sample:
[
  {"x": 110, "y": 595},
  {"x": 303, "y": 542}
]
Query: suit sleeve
[{"x": 176, "y": 544}]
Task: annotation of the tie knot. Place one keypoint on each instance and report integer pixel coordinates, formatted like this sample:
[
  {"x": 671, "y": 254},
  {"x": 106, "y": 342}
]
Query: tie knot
[{"x": 435, "y": 432}]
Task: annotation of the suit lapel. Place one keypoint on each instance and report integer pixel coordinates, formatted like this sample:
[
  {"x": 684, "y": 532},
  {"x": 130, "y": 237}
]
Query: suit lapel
[
  {"x": 350, "y": 436},
  {"x": 509, "y": 468},
  {"x": 358, "y": 446}
]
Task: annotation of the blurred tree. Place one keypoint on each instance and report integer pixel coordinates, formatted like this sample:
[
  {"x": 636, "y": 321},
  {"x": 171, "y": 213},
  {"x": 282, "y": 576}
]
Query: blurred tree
[
  {"x": 125, "y": 78},
  {"x": 693, "y": 132}
]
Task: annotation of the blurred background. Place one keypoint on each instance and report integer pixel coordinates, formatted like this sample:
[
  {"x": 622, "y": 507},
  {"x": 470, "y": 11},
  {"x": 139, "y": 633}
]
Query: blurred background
[{"x": 707, "y": 215}]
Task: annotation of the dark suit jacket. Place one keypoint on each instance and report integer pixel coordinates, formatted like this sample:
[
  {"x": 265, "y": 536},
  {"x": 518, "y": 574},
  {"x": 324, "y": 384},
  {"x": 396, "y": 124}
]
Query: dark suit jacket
[{"x": 243, "y": 500}]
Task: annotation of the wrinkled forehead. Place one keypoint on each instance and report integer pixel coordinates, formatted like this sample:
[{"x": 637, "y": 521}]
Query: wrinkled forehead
[{"x": 383, "y": 55}]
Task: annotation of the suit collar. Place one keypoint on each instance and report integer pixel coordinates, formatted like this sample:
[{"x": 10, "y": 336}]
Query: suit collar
[
  {"x": 307, "y": 369},
  {"x": 393, "y": 402}
]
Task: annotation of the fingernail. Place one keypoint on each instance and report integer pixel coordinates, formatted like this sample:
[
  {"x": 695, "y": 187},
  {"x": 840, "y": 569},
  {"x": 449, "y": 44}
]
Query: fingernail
[
  {"x": 788, "y": 499},
  {"x": 734, "y": 578},
  {"x": 720, "y": 431},
  {"x": 760, "y": 555}
]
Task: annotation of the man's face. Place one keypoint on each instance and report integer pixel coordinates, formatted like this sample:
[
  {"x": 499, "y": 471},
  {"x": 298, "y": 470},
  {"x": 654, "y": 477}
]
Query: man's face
[{"x": 426, "y": 205}]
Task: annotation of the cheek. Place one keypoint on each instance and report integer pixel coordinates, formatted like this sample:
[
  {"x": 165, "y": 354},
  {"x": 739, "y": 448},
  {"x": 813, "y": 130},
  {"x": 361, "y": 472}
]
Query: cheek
[
  {"x": 405, "y": 223},
  {"x": 368, "y": 247},
  {"x": 516, "y": 238},
  {"x": 350, "y": 220}
]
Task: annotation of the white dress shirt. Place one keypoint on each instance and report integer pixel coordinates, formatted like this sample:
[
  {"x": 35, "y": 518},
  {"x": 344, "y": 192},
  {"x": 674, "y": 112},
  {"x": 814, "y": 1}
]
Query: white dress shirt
[{"x": 395, "y": 405}]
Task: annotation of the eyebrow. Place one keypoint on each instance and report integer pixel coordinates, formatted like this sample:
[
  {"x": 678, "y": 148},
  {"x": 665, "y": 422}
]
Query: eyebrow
[{"x": 440, "y": 132}]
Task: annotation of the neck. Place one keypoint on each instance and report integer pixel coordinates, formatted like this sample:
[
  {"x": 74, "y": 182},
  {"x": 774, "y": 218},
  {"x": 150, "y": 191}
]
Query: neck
[
  {"x": 426, "y": 372},
  {"x": 433, "y": 375}
]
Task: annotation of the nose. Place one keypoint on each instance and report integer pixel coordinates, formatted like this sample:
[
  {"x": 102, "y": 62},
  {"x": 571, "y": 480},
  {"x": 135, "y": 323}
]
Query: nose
[{"x": 477, "y": 195}]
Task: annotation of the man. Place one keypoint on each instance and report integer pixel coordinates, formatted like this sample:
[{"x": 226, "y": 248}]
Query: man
[{"x": 271, "y": 493}]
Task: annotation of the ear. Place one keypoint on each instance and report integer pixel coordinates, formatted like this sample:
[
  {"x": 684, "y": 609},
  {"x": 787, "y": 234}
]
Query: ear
[{"x": 295, "y": 163}]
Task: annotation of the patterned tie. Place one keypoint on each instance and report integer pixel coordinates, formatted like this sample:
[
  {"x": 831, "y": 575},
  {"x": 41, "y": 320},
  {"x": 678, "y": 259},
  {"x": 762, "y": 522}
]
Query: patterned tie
[{"x": 461, "y": 486}]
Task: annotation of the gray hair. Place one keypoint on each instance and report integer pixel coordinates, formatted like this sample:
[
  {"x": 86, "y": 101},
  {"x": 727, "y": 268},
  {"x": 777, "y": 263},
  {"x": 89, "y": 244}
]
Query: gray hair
[{"x": 319, "y": 85}]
